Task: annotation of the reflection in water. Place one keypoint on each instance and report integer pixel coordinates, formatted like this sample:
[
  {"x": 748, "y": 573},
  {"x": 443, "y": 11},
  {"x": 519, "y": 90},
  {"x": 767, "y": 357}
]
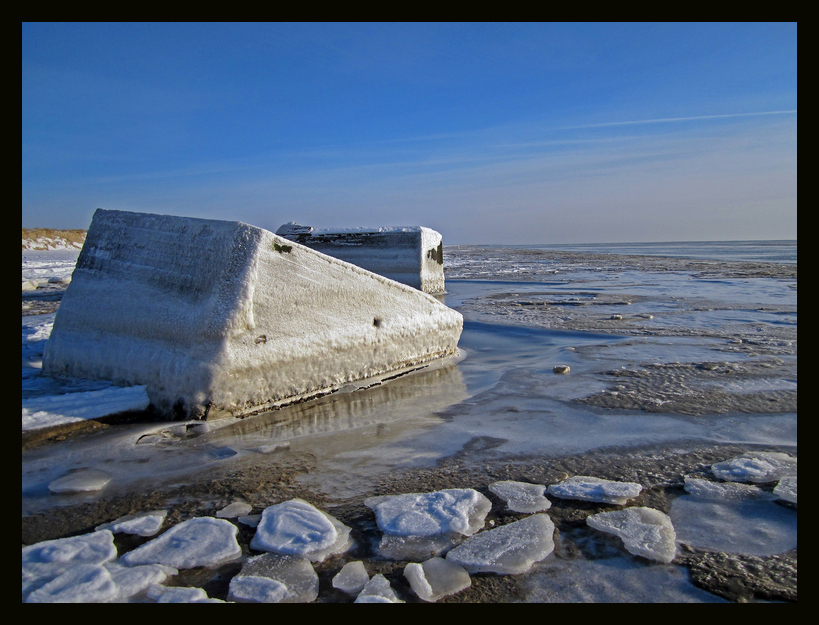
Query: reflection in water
[{"x": 406, "y": 398}]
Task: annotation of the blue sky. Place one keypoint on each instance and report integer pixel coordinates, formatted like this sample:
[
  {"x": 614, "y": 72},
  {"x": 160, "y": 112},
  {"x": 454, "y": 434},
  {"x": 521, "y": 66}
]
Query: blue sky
[{"x": 489, "y": 133}]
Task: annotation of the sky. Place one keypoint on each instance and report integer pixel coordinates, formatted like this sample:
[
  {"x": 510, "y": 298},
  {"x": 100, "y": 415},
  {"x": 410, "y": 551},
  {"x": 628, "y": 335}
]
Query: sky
[{"x": 502, "y": 133}]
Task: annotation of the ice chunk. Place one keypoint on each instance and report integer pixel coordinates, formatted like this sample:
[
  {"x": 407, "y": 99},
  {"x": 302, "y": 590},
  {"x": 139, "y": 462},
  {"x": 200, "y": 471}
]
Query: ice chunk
[
  {"x": 295, "y": 574},
  {"x": 586, "y": 488},
  {"x": 522, "y": 496},
  {"x": 416, "y": 547},
  {"x": 351, "y": 578},
  {"x": 234, "y": 510},
  {"x": 201, "y": 541},
  {"x": 221, "y": 318},
  {"x": 88, "y": 480},
  {"x": 256, "y": 589},
  {"x": 460, "y": 510},
  {"x": 786, "y": 489},
  {"x": 133, "y": 580},
  {"x": 720, "y": 491},
  {"x": 141, "y": 524},
  {"x": 436, "y": 578},
  {"x": 297, "y": 528},
  {"x": 645, "y": 532},
  {"x": 52, "y": 557},
  {"x": 179, "y": 594},
  {"x": 83, "y": 583},
  {"x": 508, "y": 550},
  {"x": 378, "y": 590},
  {"x": 756, "y": 466}
]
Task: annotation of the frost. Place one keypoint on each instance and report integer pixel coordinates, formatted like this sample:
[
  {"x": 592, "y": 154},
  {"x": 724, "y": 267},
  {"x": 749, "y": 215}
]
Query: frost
[
  {"x": 351, "y": 578},
  {"x": 645, "y": 532},
  {"x": 758, "y": 466},
  {"x": 201, "y": 541},
  {"x": 460, "y": 510},
  {"x": 299, "y": 529},
  {"x": 507, "y": 550},
  {"x": 587, "y": 488},
  {"x": 521, "y": 496},
  {"x": 436, "y": 578}
]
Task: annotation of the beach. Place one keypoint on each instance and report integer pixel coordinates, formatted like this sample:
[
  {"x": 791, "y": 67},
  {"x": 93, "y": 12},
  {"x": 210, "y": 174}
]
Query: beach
[{"x": 675, "y": 363}]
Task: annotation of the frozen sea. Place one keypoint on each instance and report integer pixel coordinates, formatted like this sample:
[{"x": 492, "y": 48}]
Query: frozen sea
[{"x": 670, "y": 348}]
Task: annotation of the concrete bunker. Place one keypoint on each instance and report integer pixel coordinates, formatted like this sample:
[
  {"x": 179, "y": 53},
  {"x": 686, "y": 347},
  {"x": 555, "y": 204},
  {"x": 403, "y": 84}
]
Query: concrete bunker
[
  {"x": 412, "y": 255},
  {"x": 221, "y": 318}
]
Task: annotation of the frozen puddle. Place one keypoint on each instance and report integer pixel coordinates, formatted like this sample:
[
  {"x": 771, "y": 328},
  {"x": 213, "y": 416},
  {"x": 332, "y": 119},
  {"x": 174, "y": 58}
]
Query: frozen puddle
[
  {"x": 612, "y": 580},
  {"x": 733, "y": 518}
]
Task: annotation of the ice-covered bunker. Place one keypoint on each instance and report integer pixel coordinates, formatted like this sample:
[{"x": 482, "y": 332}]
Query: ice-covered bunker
[
  {"x": 412, "y": 255},
  {"x": 221, "y": 318}
]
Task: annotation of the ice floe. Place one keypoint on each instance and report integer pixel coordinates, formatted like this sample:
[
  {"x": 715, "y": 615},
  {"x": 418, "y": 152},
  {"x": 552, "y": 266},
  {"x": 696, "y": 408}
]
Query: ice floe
[
  {"x": 586, "y": 488},
  {"x": 256, "y": 589},
  {"x": 135, "y": 580},
  {"x": 234, "y": 510},
  {"x": 179, "y": 594},
  {"x": 50, "y": 558},
  {"x": 351, "y": 578},
  {"x": 378, "y": 590},
  {"x": 460, "y": 510},
  {"x": 721, "y": 491},
  {"x": 645, "y": 532},
  {"x": 141, "y": 524},
  {"x": 296, "y": 576},
  {"x": 507, "y": 550},
  {"x": 201, "y": 541},
  {"x": 297, "y": 528},
  {"x": 82, "y": 583},
  {"x": 522, "y": 496},
  {"x": 436, "y": 578},
  {"x": 756, "y": 466}
]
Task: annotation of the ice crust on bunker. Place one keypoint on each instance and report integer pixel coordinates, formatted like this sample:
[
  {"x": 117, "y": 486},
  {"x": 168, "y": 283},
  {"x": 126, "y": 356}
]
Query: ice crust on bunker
[
  {"x": 220, "y": 318},
  {"x": 587, "y": 488},
  {"x": 645, "y": 532},
  {"x": 412, "y": 255}
]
